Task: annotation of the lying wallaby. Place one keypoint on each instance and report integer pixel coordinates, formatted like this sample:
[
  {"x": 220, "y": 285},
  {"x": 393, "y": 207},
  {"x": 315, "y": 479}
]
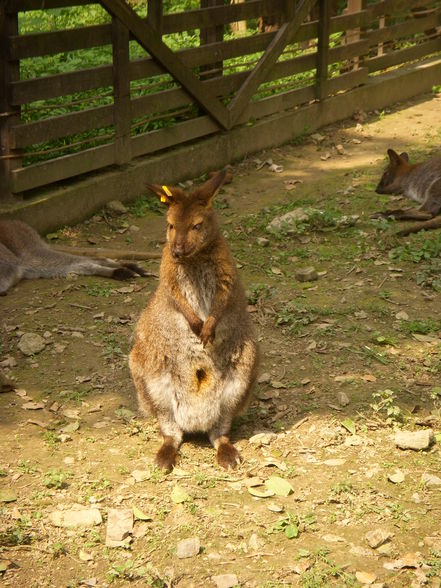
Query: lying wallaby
[
  {"x": 24, "y": 254},
  {"x": 418, "y": 181},
  {"x": 195, "y": 356}
]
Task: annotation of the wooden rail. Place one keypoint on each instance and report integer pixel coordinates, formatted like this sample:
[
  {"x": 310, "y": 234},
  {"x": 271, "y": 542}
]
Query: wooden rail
[{"x": 109, "y": 114}]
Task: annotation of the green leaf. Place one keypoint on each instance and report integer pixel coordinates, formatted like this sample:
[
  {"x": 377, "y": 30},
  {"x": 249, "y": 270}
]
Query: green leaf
[
  {"x": 349, "y": 425},
  {"x": 303, "y": 553},
  {"x": 292, "y": 531},
  {"x": 260, "y": 493},
  {"x": 7, "y": 496},
  {"x": 139, "y": 515},
  {"x": 179, "y": 495},
  {"x": 279, "y": 486}
]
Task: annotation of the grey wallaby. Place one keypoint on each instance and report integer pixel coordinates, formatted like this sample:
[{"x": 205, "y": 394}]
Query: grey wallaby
[
  {"x": 24, "y": 254},
  {"x": 195, "y": 357},
  {"x": 420, "y": 182}
]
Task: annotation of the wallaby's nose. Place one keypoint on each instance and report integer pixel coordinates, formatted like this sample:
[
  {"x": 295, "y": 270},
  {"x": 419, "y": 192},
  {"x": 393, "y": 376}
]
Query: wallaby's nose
[
  {"x": 178, "y": 250},
  {"x": 378, "y": 189}
]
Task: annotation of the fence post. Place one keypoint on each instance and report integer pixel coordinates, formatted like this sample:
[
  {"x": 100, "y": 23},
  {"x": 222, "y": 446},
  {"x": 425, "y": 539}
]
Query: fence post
[
  {"x": 211, "y": 35},
  {"x": 154, "y": 15},
  {"x": 122, "y": 109},
  {"x": 323, "y": 49},
  {"x": 9, "y": 114}
]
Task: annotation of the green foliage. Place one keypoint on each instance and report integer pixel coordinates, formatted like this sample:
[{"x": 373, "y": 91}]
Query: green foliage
[
  {"x": 257, "y": 292},
  {"x": 384, "y": 406},
  {"x": 144, "y": 204},
  {"x": 56, "y": 479},
  {"x": 417, "y": 249},
  {"x": 420, "y": 326}
]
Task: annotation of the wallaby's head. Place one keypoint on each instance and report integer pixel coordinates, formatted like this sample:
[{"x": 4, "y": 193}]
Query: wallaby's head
[
  {"x": 191, "y": 221},
  {"x": 391, "y": 181}
]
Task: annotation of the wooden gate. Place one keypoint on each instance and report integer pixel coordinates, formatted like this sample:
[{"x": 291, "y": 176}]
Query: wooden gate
[{"x": 59, "y": 122}]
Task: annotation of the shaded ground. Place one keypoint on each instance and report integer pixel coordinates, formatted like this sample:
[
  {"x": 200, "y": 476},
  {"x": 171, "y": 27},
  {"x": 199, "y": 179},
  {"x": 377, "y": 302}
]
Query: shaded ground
[{"x": 369, "y": 325}]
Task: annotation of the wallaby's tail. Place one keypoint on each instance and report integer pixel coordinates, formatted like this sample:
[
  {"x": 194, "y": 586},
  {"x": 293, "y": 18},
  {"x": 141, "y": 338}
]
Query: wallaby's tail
[{"x": 429, "y": 225}]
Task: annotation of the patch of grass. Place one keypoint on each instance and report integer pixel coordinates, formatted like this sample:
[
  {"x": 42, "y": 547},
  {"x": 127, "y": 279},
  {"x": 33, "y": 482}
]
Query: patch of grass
[
  {"x": 103, "y": 290},
  {"x": 143, "y": 205},
  {"x": 420, "y": 247},
  {"x": 384, "y": 405},
  {"x": 325, "y": 572},
  {"x": 420, "y": 326},
  {"x": 58, "y": 549},
  {"x": 56, "y": 479}
]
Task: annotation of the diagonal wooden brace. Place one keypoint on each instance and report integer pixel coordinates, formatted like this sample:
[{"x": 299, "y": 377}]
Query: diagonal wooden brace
[
  {"x": 146, "y": 36},
  {"x": 268, "y": 59}
]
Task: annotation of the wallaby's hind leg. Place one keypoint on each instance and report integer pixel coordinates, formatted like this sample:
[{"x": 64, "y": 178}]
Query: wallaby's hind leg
[
  {"x": 10, "y": 272},
  {"x": 429, "y": 225},
  {"x": 404, "y": 214}
]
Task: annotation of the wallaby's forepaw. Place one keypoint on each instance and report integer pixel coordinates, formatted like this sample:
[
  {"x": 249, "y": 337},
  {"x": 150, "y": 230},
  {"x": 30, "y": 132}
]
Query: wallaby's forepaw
[
  {"x": 227, "y": 456},
  {"x": 196, "y": 326},
  {"x": 123, "y": 273},
  {"x": 166, "y": 457},
  {"x": 208, "y": 331}
]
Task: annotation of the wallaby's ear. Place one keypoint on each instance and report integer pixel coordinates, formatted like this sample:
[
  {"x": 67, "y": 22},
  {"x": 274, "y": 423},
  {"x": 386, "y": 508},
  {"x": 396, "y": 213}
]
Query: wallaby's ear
[
  {"x": 394, "y": 157},
  {"x": 404, "y": 156},
  {"x": 164, "y": 193},
  {"x": 211, "y": 187}
]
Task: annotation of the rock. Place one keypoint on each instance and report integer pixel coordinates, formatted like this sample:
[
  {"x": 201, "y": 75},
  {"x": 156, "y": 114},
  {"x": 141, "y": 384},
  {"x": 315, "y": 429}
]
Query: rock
[
  {"x": 262, "y": 438},
  {"x": 225, "y": 580},
  {"x": 188, "y": 548},
  {"x": 290, "y": 220},
  {"x": 76, "y": 517},
  {"x": 254, "y": 543},
  {"x": 431, "y": 480},
  {"x": 84, "y": 556},
  {"x": 409, "y": 560},
  {"x": 360, "y": 551},
  {"x": 433, "y": 542},
  {"x": 119, "y": 527},
  {"x": 263, "y": 241},
  {"x": 402, "y": 316},
  {"x": 340, "y": 149},
  {"x": 140, "y": 475},
  {"x": 416, "y": 440},
  {"x": 116, "y": 206},
  {"x": 31, "y": 344},
  {"x": 377, "y": 537},
  {"x": 264, "y": 378},
  {"x": 365, "y": 577},
  {"x": 335, "y": 461},
  {"x": 329, "y": 538},
  {"x": 317, "y": 137},
  {"x": 397, "y": 477},
  {"x": 342, "y": 398},
  {"x": 307, "y": 274}
]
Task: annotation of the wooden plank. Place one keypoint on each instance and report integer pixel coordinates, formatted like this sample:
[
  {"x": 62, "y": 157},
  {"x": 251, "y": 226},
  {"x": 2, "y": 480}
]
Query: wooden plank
[
  {"x": 172, "y": 136},
  {"x": 152, "y": 43},
  {"x": 404, "y": 29},
  {"x": 46, "y": 87},
  {"x": 9, "y": 113},
  {"x": 155, "y": 15},
  {"x": 41, "y": 131},
  {"x": 24, "y": 5},
  {"x": 348, "y": 80},
  {"x": 403, "y": 55},
  {"x": 24, "y": 135},
  {"x": 323, "y": 49},
  {"x": 67, "y": 166},
  {"x": 278, "y": 103},
  {"x": 267, "y": 61},
  {"x": 36, "y": 44},
  {"x": 121, "y": 92},
  {"x": 219, "y": 15},
  {"x": 210, "y": 35}
]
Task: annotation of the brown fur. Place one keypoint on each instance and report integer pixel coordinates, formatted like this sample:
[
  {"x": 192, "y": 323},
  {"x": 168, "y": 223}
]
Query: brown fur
[
  {"x": 420, "y": 182},
  {"x": 24, "y": 254},
  {"x": 195, "y": 356}
]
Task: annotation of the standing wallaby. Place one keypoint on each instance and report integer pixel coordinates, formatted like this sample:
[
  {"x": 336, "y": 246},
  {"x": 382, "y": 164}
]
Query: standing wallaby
[
  {"x": 420, "y": 182},
  {"x": 24, "y": 254},
  {"x": 195, "y": 356}
]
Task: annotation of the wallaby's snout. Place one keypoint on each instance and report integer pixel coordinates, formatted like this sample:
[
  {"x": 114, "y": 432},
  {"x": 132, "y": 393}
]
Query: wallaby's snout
[{"x": 178, "y": 249}]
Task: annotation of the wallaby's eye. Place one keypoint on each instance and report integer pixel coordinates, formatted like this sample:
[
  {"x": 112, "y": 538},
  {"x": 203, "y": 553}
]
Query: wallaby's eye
[
  {"x": 170, "y": 226},
  {"x": 197, "y": 227}
]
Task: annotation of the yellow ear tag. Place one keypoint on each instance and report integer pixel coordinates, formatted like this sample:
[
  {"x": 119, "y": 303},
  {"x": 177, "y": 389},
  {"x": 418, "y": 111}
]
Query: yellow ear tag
[
  {"x": 166, "y": 190},
  {"x": 163, "y": 199}
]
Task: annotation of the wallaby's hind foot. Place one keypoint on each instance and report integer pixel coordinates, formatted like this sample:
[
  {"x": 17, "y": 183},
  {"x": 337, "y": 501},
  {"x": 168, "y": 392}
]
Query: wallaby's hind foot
[
  {"x": 167, "y": 455},
  {"x": 403, "y": 214},
  {"x": 227, "y": 455},
  {"x": 123, "y": 273}
]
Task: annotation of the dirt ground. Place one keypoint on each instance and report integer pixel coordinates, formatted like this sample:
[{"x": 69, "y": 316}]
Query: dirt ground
[{"x": 347, "y": 360}]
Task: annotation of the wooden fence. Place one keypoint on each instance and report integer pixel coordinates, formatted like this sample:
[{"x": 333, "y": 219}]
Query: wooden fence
[{"x": 58, "y": 126}]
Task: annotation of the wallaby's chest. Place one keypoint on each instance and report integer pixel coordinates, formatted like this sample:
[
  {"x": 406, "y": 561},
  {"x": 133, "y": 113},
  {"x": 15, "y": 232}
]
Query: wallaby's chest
[
  {"x": 198, "y": 285},
  {"x": 418, "y": 184}
]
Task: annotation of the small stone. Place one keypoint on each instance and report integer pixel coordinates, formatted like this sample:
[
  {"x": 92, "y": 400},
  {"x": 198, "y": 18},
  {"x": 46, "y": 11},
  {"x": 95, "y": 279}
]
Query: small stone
[
  {"x": 64, "y": 438},
  {"x": 342, "y": 398},
  {"x": 73, "y": 518},
  {"x": 431, "y": 480},
  {"x": 116, "y": 206},
  {"x": 306, "y": 274},
  {"x": 377, "y": 537},
  {"x": 31, "y": 344},
  {"x": 402, "y": 316},
  {"x": 334, "y": 462},
  {"x": 290, "y": 220},
  {"x": 317, "y": 137},
  {"x": 84, "y": 556},
  {"x": 254, "y": 543},
  {"x": 416, "y": 440},
  {"x": 119, "y": 527},
  {"x": 397, "y": 477},
  {"x": 69, "y": 460},
  {"x": 433, "y": 542},
  {"x": 225, "y": 580},
  {"x": 134, "y": 228},
  {"x": 263, "y": 241},
  {"x": 340, "y": 149},
  {"x": 188, "y": 548},
  {"x": 141, "y": 475},
  {"x": 262, "y": 438},
  {"x": 264, "y": 378},
  {"x": 365, "y": 577}
]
